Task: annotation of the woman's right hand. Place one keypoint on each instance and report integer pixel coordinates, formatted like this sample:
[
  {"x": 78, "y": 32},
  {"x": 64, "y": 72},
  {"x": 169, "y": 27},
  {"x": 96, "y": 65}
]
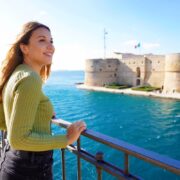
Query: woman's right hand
[{"x": 74, "y": 131}]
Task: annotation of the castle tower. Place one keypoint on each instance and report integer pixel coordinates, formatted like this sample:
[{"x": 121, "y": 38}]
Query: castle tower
[
  {"x": 99, "y": 72},
  {"x": 172, "y": 73}
]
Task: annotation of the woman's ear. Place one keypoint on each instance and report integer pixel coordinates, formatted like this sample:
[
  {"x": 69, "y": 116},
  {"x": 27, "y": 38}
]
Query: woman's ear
[{"x": 23, "y": 48}]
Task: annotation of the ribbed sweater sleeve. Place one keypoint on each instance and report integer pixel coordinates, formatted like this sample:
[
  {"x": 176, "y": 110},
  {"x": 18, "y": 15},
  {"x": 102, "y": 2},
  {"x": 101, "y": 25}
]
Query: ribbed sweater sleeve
[
  {"x": 24, "y": 108},
  {"x": 2, "y": 118}
]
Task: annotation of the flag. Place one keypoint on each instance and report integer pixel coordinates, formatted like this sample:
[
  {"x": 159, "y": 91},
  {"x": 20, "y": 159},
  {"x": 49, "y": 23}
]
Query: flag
[{"x": 137, "y": 45}]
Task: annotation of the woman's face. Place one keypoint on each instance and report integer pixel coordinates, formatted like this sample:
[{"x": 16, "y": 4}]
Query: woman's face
[{"x": 40, "y": 49}]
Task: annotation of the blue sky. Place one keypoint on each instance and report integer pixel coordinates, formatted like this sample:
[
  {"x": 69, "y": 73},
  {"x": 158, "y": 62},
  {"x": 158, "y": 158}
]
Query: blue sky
[{"x": 77, "y": 27}]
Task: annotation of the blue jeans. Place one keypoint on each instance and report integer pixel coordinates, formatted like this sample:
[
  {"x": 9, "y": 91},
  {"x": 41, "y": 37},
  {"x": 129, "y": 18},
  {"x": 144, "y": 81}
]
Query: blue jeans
[{"x": 25, "y": 165}]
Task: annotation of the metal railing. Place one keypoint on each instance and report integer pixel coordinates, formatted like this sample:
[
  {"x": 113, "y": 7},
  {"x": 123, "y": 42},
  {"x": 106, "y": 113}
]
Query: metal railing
[{"x": 97, "y": 160}]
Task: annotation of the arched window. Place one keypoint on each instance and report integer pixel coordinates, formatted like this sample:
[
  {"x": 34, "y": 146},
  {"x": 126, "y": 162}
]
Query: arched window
[
  {"x": 138, "y": 82},
  {"x": 138, "y": 72},
  {"x": 138, "y": 75}
]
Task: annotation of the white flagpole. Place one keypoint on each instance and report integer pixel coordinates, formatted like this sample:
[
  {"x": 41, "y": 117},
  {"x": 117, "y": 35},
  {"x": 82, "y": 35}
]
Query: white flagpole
[{"x": 105, "y": 43}]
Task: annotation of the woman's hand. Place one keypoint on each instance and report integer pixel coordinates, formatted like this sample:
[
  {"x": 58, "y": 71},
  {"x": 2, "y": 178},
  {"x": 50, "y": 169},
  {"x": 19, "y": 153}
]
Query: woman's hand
[{"x": 74, "y": 131}]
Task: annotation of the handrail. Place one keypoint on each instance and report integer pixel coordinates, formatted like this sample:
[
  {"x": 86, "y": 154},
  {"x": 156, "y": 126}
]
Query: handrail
[
  {"x": 165, "y": 162},
  {"x": 129, "y": 149}
]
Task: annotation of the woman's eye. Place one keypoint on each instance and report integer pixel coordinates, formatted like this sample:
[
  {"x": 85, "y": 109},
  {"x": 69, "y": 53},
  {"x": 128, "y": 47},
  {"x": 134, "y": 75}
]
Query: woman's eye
[{"x": 41, "y": 40}]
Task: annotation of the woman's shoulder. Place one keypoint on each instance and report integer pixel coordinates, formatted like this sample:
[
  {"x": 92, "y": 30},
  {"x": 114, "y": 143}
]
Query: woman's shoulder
[
  {"x": 24, "y": 77},
  {"x": 25, "y": 73}
]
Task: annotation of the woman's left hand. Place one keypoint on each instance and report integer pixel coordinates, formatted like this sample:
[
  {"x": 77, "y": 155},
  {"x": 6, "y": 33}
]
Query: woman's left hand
[{"x": 74, "y": 131}]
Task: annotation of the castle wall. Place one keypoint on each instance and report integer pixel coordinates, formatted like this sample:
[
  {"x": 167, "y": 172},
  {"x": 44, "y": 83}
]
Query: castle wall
[
  {"x": 154, "y": 68},
  {"x": 172, "y": 73},
  {"x": 128, "y": 70},
  {"x": 100, "y": 72}
]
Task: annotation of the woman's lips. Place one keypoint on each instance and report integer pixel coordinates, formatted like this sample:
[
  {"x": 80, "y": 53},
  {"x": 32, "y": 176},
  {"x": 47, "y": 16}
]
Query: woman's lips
[{"x": 48, "y": 54}]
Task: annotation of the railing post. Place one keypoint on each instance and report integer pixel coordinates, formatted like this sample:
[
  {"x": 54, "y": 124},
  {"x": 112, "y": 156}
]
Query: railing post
[
  {"x": 79, "y": 159},
  {"x": 99, "y": 158},
  {"x": 126, "y": 163},
  {"x": 63, "y": 164}
]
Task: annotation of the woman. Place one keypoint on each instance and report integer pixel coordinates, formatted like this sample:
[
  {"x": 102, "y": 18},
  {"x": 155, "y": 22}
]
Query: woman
[{"x": 25, "y": 112}]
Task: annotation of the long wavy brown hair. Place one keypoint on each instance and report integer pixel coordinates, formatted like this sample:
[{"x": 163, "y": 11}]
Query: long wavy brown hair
[{"x": 15, "y": 57}]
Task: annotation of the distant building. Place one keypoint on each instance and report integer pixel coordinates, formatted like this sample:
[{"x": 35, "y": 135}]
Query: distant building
[{"x": 155, "y": 70}]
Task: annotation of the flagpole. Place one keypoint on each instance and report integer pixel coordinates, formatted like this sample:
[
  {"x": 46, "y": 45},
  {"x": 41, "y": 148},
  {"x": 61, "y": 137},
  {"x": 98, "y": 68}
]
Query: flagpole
[{"x": 105, "y": 43}]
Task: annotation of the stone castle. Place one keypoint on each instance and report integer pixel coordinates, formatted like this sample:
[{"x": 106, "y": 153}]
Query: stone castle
[{"x": 136, "y": 70}]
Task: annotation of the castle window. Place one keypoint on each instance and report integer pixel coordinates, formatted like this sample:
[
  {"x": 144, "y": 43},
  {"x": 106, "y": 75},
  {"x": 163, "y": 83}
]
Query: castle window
[
  {"x": 138, "y": 72},
  {"x": 100, "y": 69},
  {"x": 138, "y": 82},
  {"x": 109, "y": 65},
  {"x": 115, "y": 74},
  {"x": 158, "y": 62},
  {"x": 142, "y": 62},
  {"x": 116, "y": 69},
  {"x": 134, "y": 62}
]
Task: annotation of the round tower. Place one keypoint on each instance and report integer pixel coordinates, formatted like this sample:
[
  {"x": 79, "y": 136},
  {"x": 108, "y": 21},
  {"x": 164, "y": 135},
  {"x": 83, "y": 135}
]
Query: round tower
[
  {"x": 172, "y": 73},
  {"x": 99, "y": 72}
]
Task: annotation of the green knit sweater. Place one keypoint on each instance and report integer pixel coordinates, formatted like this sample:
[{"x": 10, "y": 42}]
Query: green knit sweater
[{"x": 26, "y": 113}]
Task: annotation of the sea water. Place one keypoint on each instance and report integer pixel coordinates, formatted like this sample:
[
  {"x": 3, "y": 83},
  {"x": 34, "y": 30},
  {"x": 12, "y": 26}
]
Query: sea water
[{"x": 150, "y": 123}]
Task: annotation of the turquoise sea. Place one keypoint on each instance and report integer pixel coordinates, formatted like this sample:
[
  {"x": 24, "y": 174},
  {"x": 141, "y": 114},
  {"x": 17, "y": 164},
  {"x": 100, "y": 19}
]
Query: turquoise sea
[{"x": 150, "y": 123}]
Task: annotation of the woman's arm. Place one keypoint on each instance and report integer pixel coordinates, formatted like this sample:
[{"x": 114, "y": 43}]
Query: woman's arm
[
  {"x": 2, "y": 118},
  {"x": 24, "y": 108}
]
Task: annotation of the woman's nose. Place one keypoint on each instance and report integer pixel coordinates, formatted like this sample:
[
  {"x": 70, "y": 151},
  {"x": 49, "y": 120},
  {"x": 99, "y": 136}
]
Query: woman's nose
[{"x": 50, "y": 47}]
